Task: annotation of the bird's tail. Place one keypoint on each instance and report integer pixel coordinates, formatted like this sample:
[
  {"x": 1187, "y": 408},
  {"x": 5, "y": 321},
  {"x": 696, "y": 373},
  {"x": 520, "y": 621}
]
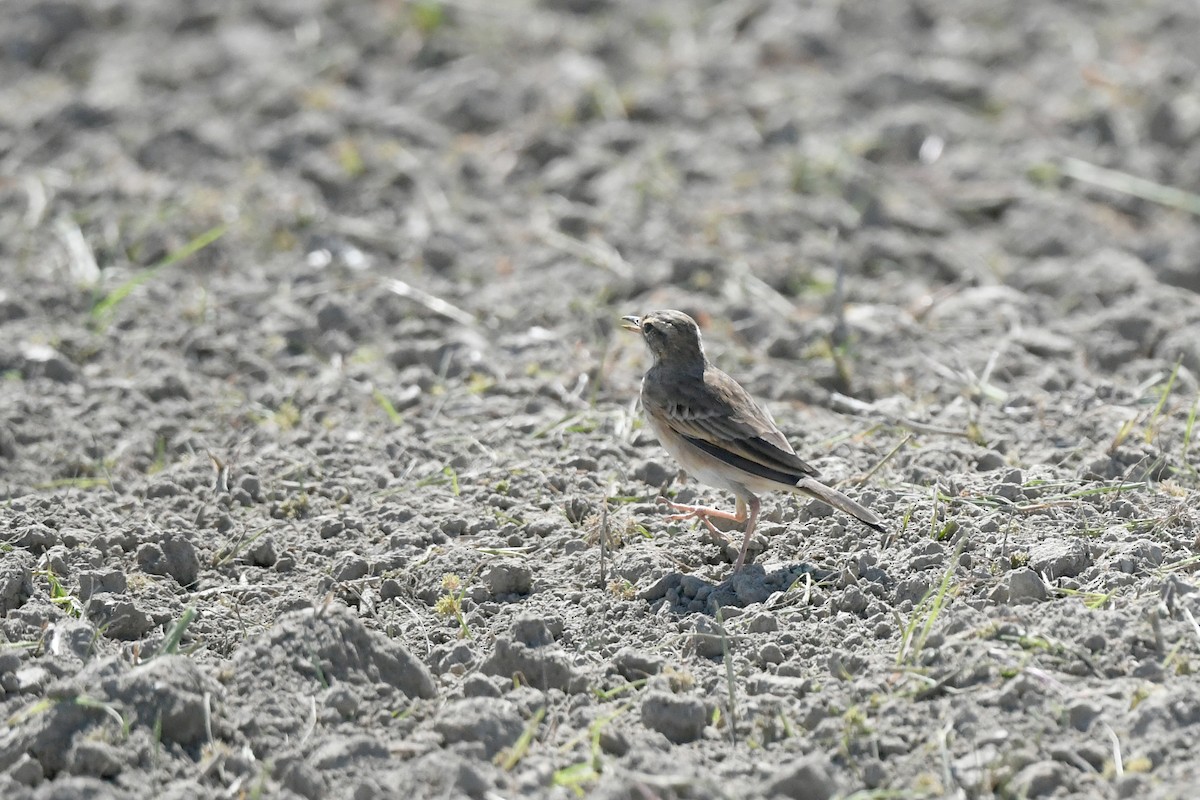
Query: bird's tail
[{"x": 814, "y": 488}]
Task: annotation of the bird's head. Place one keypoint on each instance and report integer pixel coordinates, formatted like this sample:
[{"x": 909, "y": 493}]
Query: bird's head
[{"x": 672, "y": 337}]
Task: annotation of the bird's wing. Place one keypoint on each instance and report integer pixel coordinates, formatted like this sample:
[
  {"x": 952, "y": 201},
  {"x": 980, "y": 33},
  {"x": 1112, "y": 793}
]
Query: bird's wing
[{"x": 718, "y": 416}]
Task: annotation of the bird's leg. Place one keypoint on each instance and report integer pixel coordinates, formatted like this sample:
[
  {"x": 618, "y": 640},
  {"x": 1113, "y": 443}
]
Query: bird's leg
[
  {"x": 703, "y": 513},
  {"x": 754, "y": 506}
]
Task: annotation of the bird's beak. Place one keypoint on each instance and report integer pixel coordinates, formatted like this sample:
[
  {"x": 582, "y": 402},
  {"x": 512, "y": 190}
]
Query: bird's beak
[{"x": 632, "y": 323}]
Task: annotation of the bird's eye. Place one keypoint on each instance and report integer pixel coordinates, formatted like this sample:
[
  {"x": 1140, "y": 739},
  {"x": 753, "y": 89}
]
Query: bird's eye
[{"x": 649, "y": 327}]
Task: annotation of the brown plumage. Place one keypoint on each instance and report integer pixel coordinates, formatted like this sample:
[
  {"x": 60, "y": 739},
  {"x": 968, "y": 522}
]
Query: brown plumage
[{"x": 715, "y": 430}]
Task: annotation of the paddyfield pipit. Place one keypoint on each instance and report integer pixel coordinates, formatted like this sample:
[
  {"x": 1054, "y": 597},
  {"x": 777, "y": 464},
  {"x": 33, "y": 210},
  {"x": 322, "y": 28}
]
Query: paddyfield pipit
[{"x": 717, "y": 433}]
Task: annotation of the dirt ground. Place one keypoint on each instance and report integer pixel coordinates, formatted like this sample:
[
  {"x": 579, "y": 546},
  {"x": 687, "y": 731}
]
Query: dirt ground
[{"x": 321, "y": 469}]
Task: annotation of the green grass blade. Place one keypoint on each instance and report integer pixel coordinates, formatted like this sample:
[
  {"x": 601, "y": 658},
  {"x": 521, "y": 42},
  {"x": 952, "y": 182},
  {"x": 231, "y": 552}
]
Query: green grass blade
[
  {"x": 383, "y": 402},
  {"x": 508, "y": 761},
  {"x": 1162, "y": 401},
  {"x": 1125, "y": 183},
  {"x": 106, "y": 305},
  {"x": 170, "y": 644}
]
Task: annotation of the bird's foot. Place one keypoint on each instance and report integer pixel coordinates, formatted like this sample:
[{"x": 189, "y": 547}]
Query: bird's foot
[{"x": 701, "y": 513}]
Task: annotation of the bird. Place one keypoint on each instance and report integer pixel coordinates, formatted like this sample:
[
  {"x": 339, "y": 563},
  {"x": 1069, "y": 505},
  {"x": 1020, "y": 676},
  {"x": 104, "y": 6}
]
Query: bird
[{"x": 716, "y": 431}]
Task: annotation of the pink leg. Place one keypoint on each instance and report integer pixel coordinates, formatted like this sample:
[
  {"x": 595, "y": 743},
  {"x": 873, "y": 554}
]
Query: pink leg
[
  {"x": 703, "y": 513},
  {"x": 754, "y": 506}
]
